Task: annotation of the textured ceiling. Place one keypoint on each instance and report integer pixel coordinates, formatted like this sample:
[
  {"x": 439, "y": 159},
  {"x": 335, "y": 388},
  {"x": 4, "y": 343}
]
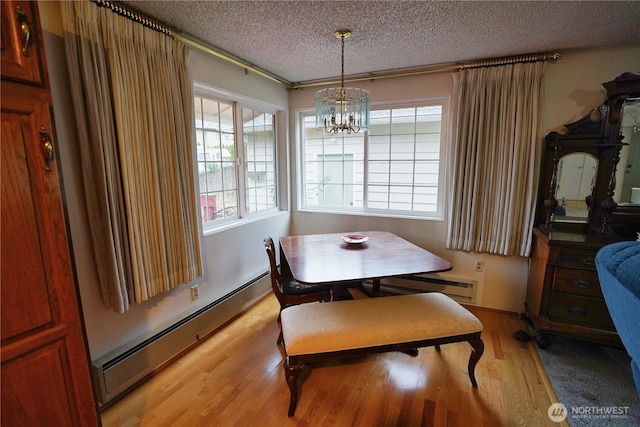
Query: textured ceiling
[{"x": 294, "y": 39}]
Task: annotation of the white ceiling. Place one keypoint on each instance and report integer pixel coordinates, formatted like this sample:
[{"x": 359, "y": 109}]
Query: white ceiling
[{"x": 294, "y": 39}]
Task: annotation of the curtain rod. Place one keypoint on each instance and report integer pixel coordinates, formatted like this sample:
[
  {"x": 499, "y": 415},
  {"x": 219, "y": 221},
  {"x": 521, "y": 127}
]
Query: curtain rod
[
  {"x": 154, "y": 25},
  {"x": 434, "y": 69},
  {"x": 518, "y": 59}
]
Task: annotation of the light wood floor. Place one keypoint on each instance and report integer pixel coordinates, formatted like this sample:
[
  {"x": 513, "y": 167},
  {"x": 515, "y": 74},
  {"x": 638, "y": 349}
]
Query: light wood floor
[{"x": 235, "y": 377}]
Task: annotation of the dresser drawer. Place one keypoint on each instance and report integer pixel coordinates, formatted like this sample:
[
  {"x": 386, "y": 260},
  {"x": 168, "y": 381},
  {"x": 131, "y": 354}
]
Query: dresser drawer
[
  {"x": 577, "y": 282},
  {"x": 577, "y": 257},
  {"x": 580, "y": 310}
]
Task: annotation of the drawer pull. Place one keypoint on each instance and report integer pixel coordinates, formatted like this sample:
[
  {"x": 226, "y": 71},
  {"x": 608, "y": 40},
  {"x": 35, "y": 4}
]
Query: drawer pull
[
  {"x": 581, "y": 283},
  {"x": 26, "y": 30},
  {"x": 578, "y": 311},
  {"x": 578, "y": 259},
  {"x": 47, "y": 146}
]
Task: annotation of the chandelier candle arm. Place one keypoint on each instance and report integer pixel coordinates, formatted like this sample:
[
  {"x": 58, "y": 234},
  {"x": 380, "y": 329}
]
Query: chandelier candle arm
[{"x": 342, "y": 109}]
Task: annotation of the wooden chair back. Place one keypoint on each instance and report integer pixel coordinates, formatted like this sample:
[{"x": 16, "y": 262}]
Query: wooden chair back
[{"x": 279, "y": 284}]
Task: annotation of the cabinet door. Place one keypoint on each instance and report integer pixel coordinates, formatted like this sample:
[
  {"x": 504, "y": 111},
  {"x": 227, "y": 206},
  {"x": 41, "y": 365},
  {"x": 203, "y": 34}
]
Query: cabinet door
[
  {"x": 45, "y": 368},
  {"x": 20, "y": 40}
]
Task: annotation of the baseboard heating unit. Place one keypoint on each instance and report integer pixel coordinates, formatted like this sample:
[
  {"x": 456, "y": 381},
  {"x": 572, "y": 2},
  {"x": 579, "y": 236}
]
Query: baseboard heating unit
[
  {"x": 460, "y": 289},
  {"x": 121, "y": 369}
]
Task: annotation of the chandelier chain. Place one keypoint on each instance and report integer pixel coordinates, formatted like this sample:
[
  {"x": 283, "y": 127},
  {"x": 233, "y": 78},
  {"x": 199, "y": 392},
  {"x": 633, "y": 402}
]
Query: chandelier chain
[{"x": 342, "y": 69}]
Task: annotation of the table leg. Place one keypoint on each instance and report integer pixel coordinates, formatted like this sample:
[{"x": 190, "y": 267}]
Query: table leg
[{"x": 375, "y": 289}]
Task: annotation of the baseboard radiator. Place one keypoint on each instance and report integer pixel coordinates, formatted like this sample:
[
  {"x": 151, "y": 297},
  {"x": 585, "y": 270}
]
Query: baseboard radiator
[
  {"x": 460, "y": 289},
  {"x": 118, "y": 371}
]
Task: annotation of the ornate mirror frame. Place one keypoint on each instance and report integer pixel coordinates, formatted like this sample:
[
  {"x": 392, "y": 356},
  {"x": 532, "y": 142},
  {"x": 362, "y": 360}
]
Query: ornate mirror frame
[
  {"x": 625, "y": 218},
  {"x": 597, "y": 134}
]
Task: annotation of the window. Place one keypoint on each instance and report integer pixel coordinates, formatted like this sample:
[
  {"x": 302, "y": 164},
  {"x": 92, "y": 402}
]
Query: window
[
  {"x": 227, "y": 191},
  {"x": 259, "y": 150},
  {"x": 394, "y": 169}
]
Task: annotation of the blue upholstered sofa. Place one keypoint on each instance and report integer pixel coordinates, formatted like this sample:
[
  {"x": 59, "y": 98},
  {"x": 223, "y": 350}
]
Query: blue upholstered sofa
[{"x": 618, "y": 266}]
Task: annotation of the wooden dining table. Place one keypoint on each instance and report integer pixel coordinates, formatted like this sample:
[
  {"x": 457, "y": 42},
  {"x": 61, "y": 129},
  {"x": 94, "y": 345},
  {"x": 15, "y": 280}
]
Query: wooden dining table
[{"x": 327, "y": 258}]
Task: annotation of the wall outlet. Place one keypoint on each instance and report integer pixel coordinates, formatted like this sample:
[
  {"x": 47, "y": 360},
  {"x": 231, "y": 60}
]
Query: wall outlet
[
  {"x": 195, "y": 292},
  {"x": 479, "y": 265}
]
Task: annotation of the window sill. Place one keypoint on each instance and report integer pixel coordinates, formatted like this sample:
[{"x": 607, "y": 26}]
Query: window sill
[
  {"x": 434, "y": 217},
  {"x": 244, "y": 221}
]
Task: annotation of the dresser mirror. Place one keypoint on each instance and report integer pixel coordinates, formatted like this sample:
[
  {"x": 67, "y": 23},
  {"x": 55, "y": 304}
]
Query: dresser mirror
[
  {"x": 571, "y": 171},
  {"x": 628, "y": 173},
  {"x": 624, "y": 100},
  {"x": 590, "y": 172},
  {"x": 576, "y": 179}
]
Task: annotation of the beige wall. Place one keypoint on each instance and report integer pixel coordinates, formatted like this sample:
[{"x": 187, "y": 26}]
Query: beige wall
[{"x": 236, "y": 255}]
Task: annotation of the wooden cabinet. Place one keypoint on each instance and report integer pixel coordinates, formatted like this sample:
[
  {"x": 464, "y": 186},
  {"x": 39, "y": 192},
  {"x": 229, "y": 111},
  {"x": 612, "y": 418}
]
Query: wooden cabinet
[
  {"x": 45, "y": 365},
  {"x": 563, "y": 294},
  {"x": 21, "y": 43}
]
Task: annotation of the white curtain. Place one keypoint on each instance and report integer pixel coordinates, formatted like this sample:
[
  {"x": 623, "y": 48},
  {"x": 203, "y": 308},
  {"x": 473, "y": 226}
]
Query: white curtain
[
  {"x": 494, "y": 158},
  {"x": 134, "y": 109}
]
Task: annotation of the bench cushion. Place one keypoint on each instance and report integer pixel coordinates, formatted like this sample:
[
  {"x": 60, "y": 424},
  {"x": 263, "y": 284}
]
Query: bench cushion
[{"x": 344, "y": 325}]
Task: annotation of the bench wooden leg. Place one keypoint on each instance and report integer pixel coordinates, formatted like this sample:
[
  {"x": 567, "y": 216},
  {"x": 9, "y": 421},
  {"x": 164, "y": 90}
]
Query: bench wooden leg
[
  {"x": 292, "y": 372},
  {"x": 413, "y": 352},
  {"x": 477, "y": 348}
]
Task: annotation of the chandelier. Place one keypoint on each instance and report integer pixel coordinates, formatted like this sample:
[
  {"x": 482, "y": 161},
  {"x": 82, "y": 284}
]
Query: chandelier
[{"x": 344, "y": 108}]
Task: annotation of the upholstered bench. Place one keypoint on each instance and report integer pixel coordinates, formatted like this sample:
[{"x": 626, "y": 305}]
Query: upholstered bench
[{"x": 327, "y": 331}]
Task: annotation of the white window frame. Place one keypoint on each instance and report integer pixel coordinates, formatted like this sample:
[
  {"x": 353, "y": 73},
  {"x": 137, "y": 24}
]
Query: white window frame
[
  {"x": 238, "y": 102},
  {"x": 437, "y": 214}
]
